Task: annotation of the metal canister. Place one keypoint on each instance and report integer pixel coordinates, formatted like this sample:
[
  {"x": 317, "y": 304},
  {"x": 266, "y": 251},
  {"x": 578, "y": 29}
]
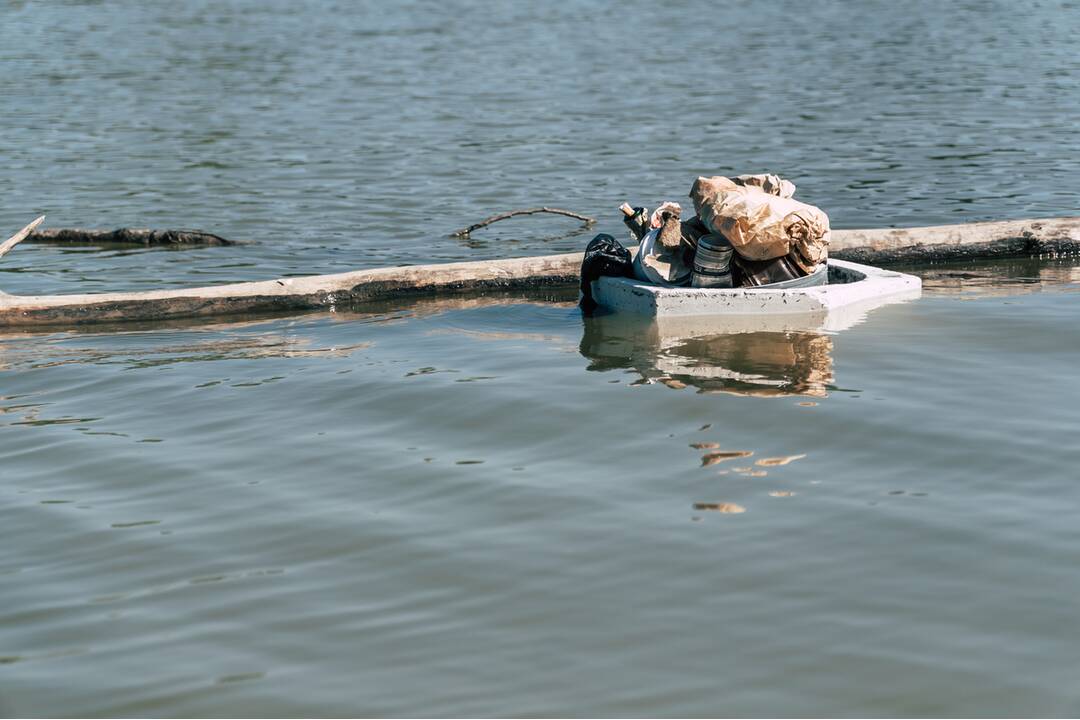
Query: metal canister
[
  {"x": 712, "y": 262},
  {"x": 758, "y": 273}
]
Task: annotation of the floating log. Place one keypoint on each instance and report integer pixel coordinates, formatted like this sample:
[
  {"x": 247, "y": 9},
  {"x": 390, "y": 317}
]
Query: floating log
[
  {"x": 129, "y": 236},
  {"x": 1020, "y": 238},
  {"x": 1044, "y": 237},
  {"x": 325, "y": 292}
]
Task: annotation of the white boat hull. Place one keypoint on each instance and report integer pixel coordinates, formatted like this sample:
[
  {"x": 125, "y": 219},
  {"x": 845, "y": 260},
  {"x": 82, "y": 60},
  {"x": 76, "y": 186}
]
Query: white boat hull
[{"x": 853, "y": 290}]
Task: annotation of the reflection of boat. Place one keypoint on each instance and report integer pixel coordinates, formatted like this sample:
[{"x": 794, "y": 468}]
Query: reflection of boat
[
  {"x": 764, "y": 341},
  {"x": 767, "y": 363},
  {"x": 745, "y": 341},
  {"x": 753, "y": 363},
  {"x": 852, "y": 290}
]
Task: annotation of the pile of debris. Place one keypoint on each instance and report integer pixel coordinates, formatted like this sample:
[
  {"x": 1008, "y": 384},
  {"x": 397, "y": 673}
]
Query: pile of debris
[{"x": 748, "y": 231}]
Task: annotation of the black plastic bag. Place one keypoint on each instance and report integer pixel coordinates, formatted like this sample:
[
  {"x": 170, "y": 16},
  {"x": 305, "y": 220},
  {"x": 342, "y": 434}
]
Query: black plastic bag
[{"x": 603, "y": 256}]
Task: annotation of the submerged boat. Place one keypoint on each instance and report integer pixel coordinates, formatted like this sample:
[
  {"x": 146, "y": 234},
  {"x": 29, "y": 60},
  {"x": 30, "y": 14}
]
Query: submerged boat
[{"x": 850, "y": 291}]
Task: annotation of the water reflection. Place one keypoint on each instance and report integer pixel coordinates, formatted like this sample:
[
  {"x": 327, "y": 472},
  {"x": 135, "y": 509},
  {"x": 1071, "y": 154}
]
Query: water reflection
[
  {"x": 997, "y": 278},
  {"x": 260, "y": 335},
  {"x": 226, "y": 342},
  {"x": 763, "y": 364}
]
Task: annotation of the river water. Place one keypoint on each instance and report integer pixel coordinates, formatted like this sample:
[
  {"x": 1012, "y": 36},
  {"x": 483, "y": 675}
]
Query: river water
[{"x": 490, "y": 505}]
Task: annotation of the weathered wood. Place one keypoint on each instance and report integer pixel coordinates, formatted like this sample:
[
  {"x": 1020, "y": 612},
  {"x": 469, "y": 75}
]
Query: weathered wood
[
  {"x": 129, "y": 236},
  {"x": 1021, "y": 238},
  {"x": 465, "y": 232},
  {"x": 290, "y": 294},
  {"x": 18, "y": 237},
  {"x": 1044, "y": 237}
]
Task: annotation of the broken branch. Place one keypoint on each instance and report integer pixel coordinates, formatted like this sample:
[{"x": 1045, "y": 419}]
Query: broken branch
[
  {"x": 19, "y": 236},
  {"x": 465, "y": 232}
]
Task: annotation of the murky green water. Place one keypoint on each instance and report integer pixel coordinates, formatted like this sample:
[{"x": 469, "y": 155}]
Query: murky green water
[{"x": 492, "y": 506}]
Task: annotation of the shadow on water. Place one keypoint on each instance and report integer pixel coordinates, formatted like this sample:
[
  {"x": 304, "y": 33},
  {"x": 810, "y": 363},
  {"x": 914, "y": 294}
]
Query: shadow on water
[{"x": 768, "y": 363}]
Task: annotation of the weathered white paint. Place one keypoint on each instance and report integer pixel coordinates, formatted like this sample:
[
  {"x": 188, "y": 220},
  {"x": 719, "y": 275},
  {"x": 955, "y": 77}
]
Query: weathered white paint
[{"x": 830, "y": 307}]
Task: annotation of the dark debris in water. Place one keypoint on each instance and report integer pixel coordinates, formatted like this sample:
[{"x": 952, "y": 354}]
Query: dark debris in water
[
  {"x": 720, "y": 507},
  {"x": 713, "y": 458},
  {"x": 56, "y": 421},
  {"x": 240, "y": 677},
  {"x": 135, "y": 524},
  {"x": 428, "y": 371}
]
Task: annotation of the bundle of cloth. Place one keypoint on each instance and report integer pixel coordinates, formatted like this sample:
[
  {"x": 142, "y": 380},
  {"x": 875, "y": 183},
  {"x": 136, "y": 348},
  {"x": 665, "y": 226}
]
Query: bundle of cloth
[{"x": 748, "y": 231}]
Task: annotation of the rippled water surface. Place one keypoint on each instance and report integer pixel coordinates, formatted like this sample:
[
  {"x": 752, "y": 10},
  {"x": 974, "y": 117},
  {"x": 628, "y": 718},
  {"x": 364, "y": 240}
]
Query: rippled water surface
[{"x": 491, "y": 505}]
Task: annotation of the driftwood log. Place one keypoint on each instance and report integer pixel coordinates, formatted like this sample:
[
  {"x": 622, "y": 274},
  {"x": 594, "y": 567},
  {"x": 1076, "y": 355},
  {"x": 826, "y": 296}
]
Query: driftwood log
[
  {"x": 1020, "y": 238},
  {"x": 129, "y": 236},
  {"x": 1038, "y": 238}
]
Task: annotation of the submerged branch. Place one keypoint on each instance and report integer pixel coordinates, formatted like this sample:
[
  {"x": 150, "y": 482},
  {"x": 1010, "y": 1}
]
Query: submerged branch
[
  {"x": 465, "y": 232},
  {"x": 129, "y": 236}
]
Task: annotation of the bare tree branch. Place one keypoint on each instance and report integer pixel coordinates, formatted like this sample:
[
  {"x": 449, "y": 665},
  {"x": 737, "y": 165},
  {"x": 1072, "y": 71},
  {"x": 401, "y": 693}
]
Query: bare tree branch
[
  {"x": 19, "y": 236},
  {"x": 465, "y": 232}
]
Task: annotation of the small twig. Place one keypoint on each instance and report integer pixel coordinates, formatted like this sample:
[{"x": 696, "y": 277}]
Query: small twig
[
  {"x": 19, "y": 236},
  {"x": 465, "y": 232}
]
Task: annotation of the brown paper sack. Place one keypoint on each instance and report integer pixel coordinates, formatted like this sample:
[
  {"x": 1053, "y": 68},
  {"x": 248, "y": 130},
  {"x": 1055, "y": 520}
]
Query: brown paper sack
[
  {"x": 763, "y": 226},
  {"x": 771, "y": 184}
]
